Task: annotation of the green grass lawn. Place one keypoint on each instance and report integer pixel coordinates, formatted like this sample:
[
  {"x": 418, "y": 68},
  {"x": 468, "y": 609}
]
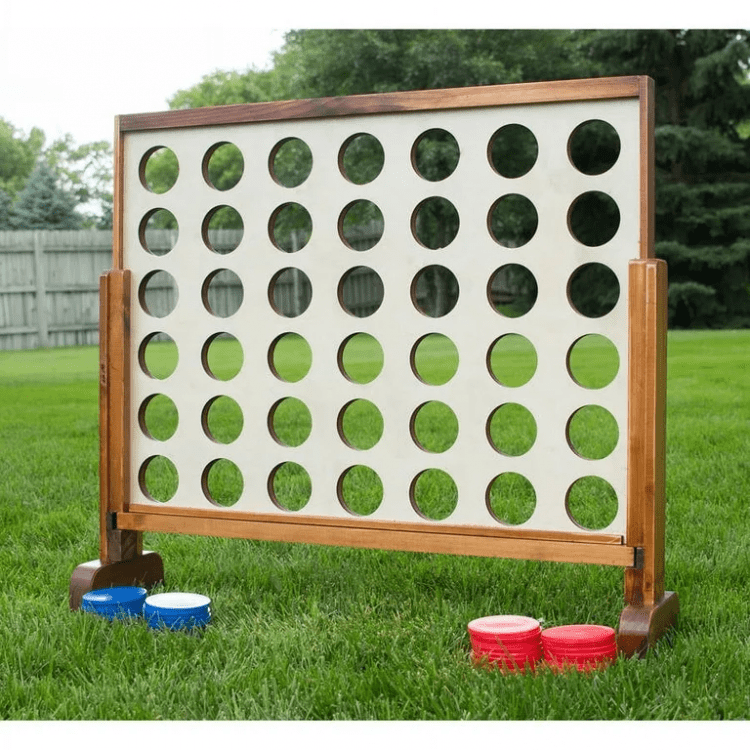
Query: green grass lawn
[{"x": 307, "y": 632}]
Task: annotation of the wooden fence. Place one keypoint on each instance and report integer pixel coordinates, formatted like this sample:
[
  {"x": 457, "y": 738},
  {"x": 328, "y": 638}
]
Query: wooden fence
[{"x": 49, "y": 287}]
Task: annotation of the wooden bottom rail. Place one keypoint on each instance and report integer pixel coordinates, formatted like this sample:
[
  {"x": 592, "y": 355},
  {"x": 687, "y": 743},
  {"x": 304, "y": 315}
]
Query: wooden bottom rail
[{"x": 393, "y": 537}]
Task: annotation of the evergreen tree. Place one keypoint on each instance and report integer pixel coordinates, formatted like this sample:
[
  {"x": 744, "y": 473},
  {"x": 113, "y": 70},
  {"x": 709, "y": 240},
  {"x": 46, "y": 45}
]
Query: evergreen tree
[
  {"x": 702, "y": 162},
  {"x": 5, "y": 208},
  {"x": 42, "y": 204}
]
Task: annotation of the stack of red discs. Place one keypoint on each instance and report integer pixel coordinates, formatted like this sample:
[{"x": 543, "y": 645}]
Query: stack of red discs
[
  {"x": 585, "y": 647},
  {"x": 510, "y": 642}
]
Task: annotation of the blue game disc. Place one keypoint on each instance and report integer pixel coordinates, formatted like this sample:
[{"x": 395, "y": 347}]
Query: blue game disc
[{"x": 115, "y": 603}]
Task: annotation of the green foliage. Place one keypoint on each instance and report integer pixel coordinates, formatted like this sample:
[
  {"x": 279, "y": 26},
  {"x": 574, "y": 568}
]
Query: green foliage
[
  {"x": 82, "y": 175},
  {"x": 231, "y": 87},
  {"x": 6, "y": 205},
  {"x": 354, "y": 61},
  {"x": 702, "y": 160},
  {"x": 18, "y": 156},
  {"x": 42, "y": 204},
  {"x": 85, "y": 172}
]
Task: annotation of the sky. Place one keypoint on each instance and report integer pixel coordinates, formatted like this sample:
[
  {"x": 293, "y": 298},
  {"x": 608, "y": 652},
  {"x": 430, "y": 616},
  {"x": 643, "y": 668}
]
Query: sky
[{"x": 71, "y": 67}]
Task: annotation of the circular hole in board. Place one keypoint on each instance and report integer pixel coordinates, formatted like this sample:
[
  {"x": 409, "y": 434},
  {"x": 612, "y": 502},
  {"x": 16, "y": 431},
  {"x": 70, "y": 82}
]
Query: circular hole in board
[
  {"x": 158, "y": 293},
  {"x": 593, "y": 290},
  {"x": 290, "y": 422},
  {"x": 223, "y": 165},
  {"x": 511, "y": 429},
  {"x": 222, "y": 482},
  {"x": 434, "y": 291},
  {"x": 512, "y": 290},
  {"x": 289, "y": 486},
  {"x": 512, "y": 360},
  {"x": 360, "y": 490},
  {"x": 290, "y": 292},
  {"x": 290, "y": 227},
  {"x": 360, "y": 358},
  {"x": 594, "y": 147},
  {"x": 361, "y": 291},
  {"x": 511, "y": 498},
  {"x": 222, "y": 419},
  {"x": 513, "y": 150},
  {"x": 222, "y": 293},
  {"x": 360, "y": 424},
  {"x": 592, "y": 432},
  {"x": 222, "y": 229},
  {"x": 222, "y": 356},
  {"x": 591, "y": 503},
  {"x": 158, "y": 232},
  {"x": 435, "y": 223},
  {"x": 512, "y": 220},
  {"x": 158, "y": 355},
  {"x": 593, "y": 361},
  {"x": 434, "y": 359},
  {"x": 433, "y": 494},
  {"x": 594, "y": 218},
  {"x": 434, "y": 427},
  {"x": 158, "y": 169},
  {"x": 435, "y": 154},
  {"x": 361, "y": 225},
  {"x": 290, "y": 162},
  {"x": 158, "y": 417},
  {"x": 361, "y": 158},
  {"x": 158, "y": 479},
  {"x": 290, "y": 357}
]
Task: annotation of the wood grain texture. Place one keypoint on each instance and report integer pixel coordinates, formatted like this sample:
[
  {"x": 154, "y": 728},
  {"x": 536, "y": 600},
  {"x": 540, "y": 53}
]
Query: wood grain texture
[
  {"x": 114, "y": 402},
  {"x": 103, "y": 414},
  {"x": 399, "y": 537},
  {"x": 647, "y": 171},
  {"x": 647, "y": 426},
  {"x": 352, "y": 522},
  {"x": 406, "y": 101},
  {"x": 118, "y": 196}
]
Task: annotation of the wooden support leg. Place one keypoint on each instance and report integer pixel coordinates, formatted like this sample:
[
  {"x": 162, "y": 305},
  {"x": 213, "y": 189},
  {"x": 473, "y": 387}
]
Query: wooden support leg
[
  {"x": 122, "y": 561},
  {"x": 146, "y": 569},
  {"x": 641, "y": 625},
  {"x": 650, "y": 611}
]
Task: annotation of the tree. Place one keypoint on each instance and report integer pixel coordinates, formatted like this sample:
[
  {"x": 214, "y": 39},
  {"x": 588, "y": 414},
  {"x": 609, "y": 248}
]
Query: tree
[
  {"x": 232, "y": 87},
  {"x": 321, "y": 62},
  {"x": 702, "y": 162},
  {"x": 5, "y": 209},
  {"x": 18, "y": 156},
  {"x": 85, "y": 172},
  {"x": 702, "y": 129},
  {"x": 43, "y": 204}
]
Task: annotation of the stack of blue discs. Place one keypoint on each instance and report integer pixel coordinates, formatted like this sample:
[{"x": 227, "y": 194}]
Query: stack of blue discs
[
  {"x": 117, "y": 603},
  {"x": 177, "y": 611}
]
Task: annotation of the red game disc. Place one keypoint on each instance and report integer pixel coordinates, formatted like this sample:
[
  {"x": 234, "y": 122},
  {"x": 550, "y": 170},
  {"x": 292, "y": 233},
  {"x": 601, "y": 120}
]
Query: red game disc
[
  {"x": 575, "y": 636},
  {"x": 583, "y": 646},
  {"x": 511, "y": 642},
  {"x": 505, "y": 627}
]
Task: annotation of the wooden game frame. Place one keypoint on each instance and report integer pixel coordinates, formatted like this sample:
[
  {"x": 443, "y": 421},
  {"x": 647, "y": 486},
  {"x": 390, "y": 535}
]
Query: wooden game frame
[{"x": 649, "y": 610}]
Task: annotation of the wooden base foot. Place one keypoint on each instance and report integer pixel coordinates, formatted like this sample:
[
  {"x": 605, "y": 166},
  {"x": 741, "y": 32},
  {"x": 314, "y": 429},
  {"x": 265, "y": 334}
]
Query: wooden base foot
[
  {"x": 146, "y": 569},
  {"x": 642, "y": 625}
]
